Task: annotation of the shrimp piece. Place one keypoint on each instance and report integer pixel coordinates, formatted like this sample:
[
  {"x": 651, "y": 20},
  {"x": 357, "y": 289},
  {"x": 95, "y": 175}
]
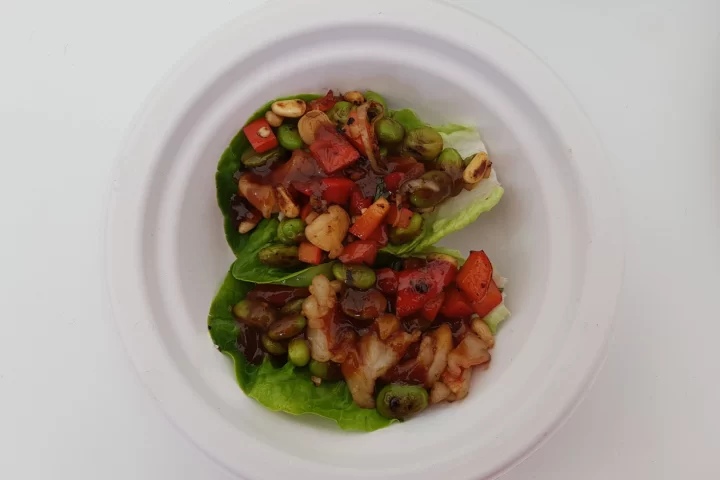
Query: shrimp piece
[
  {"x": 459, "y": 385},
  {"x": 327, "y": 340},
  {"x": 470, "y": 352}
]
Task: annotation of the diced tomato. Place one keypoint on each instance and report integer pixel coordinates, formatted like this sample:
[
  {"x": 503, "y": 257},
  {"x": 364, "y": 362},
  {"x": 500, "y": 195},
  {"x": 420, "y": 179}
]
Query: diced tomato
[
  {"x": 431, "y": 309},
  {"x": 260, "y": 135},
  {"x": 399, "y": 218},
  {"x": 337, "y": 190},
  {"x": 358, "y": 202},
  {"x": 323, "y": 104},
  {"x": 492, "y": 299},
  {"x": 456, "y": 305},
  {"x": 362, "y": 251},
  {"x": 371, "y": 219},
  {"x": 379, "y": 236},
  {"x": 277, "y": 295},
  {"x": 387, "y": 280},
  {"x": 475, "y": 276},
  {"x": 306, "y": 210},
  {"x": 393, "y": 181},
  {"x": 309, "y": 253},
  {"x": 332, "y": 151}
]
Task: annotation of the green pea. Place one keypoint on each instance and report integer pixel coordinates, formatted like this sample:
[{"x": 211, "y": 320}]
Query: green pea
[
  {"x": 293, "y": 306},
  {"x": 287, "y": 327},
  {"x": 251, "y": 159},
  {"x": 339, "y": 112},
  {"x": 424, "y": 143},
  {"x": 273, "y": 347},
  {"x": 291, "y": 231},
  {"x": 435, "y": 187},
  {"x": 450, "y": 161},
  {"x": 398, "y": 236},
  {"x": 371, "y": 96},
  {"x": 299, "y": 352},
  {"x": 289, "y": 137},
  {"x": 356, "y": 276},
  {"x": 407, "y": 118},
  {"x": 325, "y": 370},
  {"x": 388, "y": 131},
  {"x": 282, "y": 256},
  {"x": 401, "y": 401}
]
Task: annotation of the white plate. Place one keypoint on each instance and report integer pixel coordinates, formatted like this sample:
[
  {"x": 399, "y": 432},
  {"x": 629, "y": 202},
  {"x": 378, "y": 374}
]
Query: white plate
[{"x": 555, "y": 234}]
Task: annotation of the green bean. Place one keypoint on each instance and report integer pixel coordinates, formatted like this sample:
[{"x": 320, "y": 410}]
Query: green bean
[
  {"x": 289, "y": 137},
  {"x": 398, "y": 236},
  {"x": 291, "y": 231},
  {"x": 282, "y": 256},
  {"x": 299, "y": 352},
  {"x": 287, "y": 327},
  {"x": 401, "y": 401},
  {"x": 356, "y": 276}
]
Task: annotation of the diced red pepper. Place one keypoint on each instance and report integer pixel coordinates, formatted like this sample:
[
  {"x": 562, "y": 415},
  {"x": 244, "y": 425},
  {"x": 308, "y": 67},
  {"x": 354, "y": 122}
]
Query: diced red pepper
[
  {"x": 332, "y": 151},
  {"x": 337, "y": 190},
  {"x": 399, "y": 218},
  {"x": 379, "y": 236},
  {"x": 415, "y": 289},
  {"x": 387, "y": 281},
  {"x": 413, "y": 263},
  {"x": 492, "y": 299},
  {"x": 306, "y": 188},
  {"x": 309, "y": 253},
  {"x": 306, "y": 210},
  {"x": 260, "y": 135},
  {"x": 323, "y": 104},
  {"x": 393, "y": 181},
  {"x": 373, "y": 217},
  {"x": 456, "y": 305},
  {"x": 277, "y": 295},
  {"x": 431, "y": 309},
  {"x": 358, "y": 202},
  {"x": 475, "y": 276},
  {"x": 362, "y": 251}
]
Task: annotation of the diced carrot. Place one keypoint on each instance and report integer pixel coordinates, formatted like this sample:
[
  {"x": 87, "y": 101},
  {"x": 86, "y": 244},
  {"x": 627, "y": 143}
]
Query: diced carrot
[
  {"x": 309, "y": 253},
  {"x": 475, "y": 276},
  {"x": 371, "y": 219}
]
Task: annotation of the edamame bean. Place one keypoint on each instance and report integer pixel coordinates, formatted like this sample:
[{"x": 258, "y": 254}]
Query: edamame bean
[
  {"x": 325, "y": 370},
  {"x": 398, "y": 236},
  {"x": 356, "y": 276},
  {"x": 299, "y": 352},
  {"x": 282, "y": 256},
  {"x": 293, "y": 306},
  {"x": 339, "y": 112},
  {"x": 289, "y": 137},
  {"x": 273, "y": 347},
  {"x": 401, "y": 401},
  {"x": 371, "y": 96},
  {"x": 424, "y": 143},
  {"x": 287, "y": 327},
  {"x": 291, "y": 231},
  {"x": 388, "y": 131},
  {"x": 251, "y": 159}
]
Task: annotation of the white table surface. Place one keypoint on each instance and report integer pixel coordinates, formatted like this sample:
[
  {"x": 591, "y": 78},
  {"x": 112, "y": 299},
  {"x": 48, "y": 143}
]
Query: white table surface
[{"x": 74, "y": 72}]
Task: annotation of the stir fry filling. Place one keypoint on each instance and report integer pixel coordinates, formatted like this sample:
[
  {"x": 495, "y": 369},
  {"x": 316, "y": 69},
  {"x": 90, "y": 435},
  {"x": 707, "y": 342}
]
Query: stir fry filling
[
  {"x": 411, "y": 331},
  {"x": 340, "y": 171}
]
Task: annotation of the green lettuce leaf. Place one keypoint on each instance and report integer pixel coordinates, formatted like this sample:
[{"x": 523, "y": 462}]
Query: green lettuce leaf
[
  {"x": 287, "y": 388},
  {"x": 248, "y": 268},
  {"x": 225, "y": 181}
]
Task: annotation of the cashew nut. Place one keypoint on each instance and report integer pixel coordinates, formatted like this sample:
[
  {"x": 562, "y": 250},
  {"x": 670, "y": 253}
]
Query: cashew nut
[
  {"x": 475, "y": 171},
  {"x": 273, "y": 119},
  {"x": 309, "y": 123},
  {"x": 289, "y": 108},
  {"x": 354, "y": 97},
  {"x": 287, "y": 205}
]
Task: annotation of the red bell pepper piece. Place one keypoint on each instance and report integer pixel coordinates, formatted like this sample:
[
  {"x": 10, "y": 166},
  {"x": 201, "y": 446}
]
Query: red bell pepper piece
[
  {"x": 309, "y": 253},
  {"x": 475, "y": 276},
  {"x": 362, "y": 251},
  {"x": 323, "y": 104},
  {"x": 332, "y": 151},
  {"x": 371, "y": 219},
  {"x": 456, "y": 305},
  {"x": 414, "y": 263},
  {"x": 393, "y": 181},
  {"x": 492, "y": 299},
  {"x": 387, "y": 281},
  {"x": 379, "y": 236},
  {"x": 418, "y": 286},
  {"x": 399, "y": 218},
  {"x": 306, "y": 210},
  {"x": 358, "y": 202},
  {"x": 336, "y": 190},
  {"x": 260, "y": 135},
  {"x": 431, "y": 309}
]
